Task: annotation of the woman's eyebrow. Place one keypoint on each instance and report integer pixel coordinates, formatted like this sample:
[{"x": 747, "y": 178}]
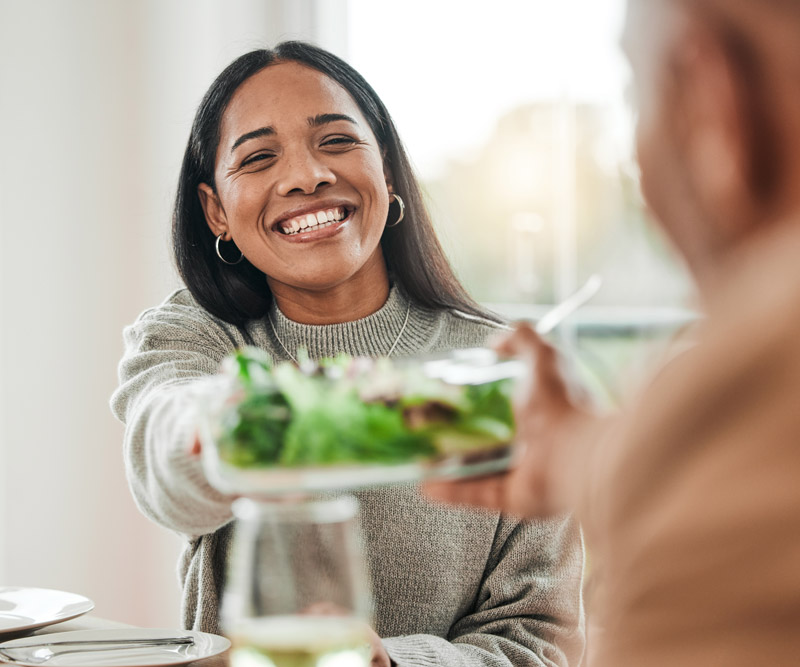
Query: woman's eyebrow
[
  {"x": 254, "y": 134},
  {"x": 324, "y": 118},
  {"x": 315, "y": 121}
]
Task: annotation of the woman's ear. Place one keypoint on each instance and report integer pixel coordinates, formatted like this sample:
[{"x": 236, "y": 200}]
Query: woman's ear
[
  {"x": 387, "y": 171},
  {"x": 216, "y": 219}
]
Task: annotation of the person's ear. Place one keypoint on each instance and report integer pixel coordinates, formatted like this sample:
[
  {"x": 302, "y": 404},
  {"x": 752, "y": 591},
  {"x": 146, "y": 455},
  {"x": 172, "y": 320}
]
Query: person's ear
[
  {"x": 712, "y": 126},
  {"x": 387, "y": 172},
  {"x": 216, "y": 219}
]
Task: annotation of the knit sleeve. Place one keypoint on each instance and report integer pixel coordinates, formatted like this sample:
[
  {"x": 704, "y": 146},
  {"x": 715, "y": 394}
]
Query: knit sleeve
[
  {"x": 168, "y": 352},
  {"x": 529, "y": 609}
]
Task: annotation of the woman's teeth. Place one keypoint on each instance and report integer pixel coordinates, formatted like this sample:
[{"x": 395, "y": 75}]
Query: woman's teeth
[{"x": 309, "y": 221}]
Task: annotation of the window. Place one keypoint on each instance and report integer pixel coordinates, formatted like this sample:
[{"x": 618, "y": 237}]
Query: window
[{"x": 514, "y": 113}]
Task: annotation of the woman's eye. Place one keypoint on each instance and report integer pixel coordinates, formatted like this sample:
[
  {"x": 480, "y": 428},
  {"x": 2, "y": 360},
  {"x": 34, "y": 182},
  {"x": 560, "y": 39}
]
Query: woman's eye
[
  {"x": 258, "y": 157},
  {"x": 339, "y": 141}
]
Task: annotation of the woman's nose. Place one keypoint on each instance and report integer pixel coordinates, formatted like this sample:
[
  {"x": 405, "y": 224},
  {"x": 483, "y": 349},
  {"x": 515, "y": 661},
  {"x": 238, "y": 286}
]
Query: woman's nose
[{"x": 303, "y": 173}]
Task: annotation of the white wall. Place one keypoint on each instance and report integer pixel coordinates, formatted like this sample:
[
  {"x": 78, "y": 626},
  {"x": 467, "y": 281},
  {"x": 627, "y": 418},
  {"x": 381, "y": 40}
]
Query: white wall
[{"x": 96, "y": 99}]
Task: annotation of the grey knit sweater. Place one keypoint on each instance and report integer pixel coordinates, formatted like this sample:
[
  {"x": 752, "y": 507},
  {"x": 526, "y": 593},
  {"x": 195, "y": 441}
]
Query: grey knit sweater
[{"x": 451, "y": 586}]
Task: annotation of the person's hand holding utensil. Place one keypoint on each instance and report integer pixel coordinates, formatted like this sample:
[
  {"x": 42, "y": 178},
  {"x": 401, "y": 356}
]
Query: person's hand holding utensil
[{"x": 551, "y": 427}]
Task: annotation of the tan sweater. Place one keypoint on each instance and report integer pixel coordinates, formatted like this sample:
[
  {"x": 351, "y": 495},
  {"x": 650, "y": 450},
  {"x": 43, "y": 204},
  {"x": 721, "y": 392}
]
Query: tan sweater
[
  {"x": 693, "y": 512},
  {"x": 451, "y": 587}
]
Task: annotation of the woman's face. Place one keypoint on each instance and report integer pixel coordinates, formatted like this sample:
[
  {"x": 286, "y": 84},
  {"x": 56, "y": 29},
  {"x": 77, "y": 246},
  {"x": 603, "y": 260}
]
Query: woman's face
[{"x": 300, "y": 180}]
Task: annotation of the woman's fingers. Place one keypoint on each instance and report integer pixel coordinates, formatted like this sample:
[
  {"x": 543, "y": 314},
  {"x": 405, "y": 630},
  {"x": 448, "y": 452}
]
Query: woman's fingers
[{"x": 380, "y": 658}]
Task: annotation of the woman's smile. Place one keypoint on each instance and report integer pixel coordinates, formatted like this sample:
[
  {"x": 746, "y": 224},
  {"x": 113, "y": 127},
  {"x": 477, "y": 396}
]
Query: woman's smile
[{"x": 314, "y": 222}]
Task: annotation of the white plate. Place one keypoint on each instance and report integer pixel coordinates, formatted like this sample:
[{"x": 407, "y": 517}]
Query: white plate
[
  {"x": 275, "y": 480},
  {"x": 30, "y": 608},
  {"x": 205, "y": 645}
]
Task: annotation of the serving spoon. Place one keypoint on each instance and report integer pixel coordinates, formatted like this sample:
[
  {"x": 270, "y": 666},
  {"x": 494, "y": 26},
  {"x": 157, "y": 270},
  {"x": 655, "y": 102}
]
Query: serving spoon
[
  {"x": 477, "y": 365},
  {"x": 553, "y": 317}
]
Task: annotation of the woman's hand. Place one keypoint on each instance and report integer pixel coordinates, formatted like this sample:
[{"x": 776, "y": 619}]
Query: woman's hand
[
  {"x": 380, "y": 658},
  {"x": 552, "y": 434}
]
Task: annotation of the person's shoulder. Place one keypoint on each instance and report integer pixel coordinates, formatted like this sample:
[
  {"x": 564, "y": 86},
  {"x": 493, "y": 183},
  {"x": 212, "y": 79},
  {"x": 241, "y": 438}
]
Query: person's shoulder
[
  {"x": 181, "y": 297},
  {"x": 178, "y": 306},
  {"x": 179, "y": 315},
  {"x": 743, "y": 357}
]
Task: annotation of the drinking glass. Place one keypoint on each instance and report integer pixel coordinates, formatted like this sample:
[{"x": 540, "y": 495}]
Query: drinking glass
[{"x": 297, "y": 592}]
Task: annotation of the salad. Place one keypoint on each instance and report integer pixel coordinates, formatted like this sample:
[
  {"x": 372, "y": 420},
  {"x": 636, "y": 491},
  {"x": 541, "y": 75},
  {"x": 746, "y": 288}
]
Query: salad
[{"x": 353, "y": 410}]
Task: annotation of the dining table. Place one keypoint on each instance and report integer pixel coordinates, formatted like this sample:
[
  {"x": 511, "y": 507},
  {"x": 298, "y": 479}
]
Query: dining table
[{"x": 92, "y": 622}]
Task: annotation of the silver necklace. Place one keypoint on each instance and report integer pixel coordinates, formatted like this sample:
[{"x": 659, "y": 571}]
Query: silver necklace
[{"x": 294, "y": 359}]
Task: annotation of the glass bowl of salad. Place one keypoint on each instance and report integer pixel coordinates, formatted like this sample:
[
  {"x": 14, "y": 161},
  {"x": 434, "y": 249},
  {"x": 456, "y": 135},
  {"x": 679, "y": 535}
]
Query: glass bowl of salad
[{"x": 350, "y": 422}]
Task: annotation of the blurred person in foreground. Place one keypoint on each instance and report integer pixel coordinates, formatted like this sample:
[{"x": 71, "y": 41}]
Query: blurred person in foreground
[
  {"x": 691, "y": 500},
  {"x": 289, "y": 231}
]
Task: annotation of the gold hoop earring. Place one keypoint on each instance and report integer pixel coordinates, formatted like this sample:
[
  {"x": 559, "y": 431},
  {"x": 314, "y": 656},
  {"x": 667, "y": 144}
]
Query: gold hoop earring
[
  {"x": 219, "y": 254},
  {"x": 402, "y": 210}
]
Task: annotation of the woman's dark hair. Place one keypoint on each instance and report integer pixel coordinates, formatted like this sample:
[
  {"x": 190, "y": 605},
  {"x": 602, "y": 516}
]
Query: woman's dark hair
[{"x": 238, "y": 293}]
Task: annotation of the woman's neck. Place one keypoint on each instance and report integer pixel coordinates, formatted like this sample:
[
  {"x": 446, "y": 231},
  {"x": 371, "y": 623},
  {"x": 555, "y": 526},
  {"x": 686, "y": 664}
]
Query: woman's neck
[{"x": 356, "y": 298}]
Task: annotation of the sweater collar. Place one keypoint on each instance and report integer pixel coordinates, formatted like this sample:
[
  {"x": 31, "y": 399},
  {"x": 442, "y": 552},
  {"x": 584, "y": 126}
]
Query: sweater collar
[{"x": 373, "y": 335}]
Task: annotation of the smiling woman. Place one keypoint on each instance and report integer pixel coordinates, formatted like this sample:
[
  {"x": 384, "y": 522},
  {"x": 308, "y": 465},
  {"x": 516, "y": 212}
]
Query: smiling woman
[
  {"x": 278, "y": 132},
  {"x": 313, "y": 175},
  {"x": 300, "y": 224}
]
